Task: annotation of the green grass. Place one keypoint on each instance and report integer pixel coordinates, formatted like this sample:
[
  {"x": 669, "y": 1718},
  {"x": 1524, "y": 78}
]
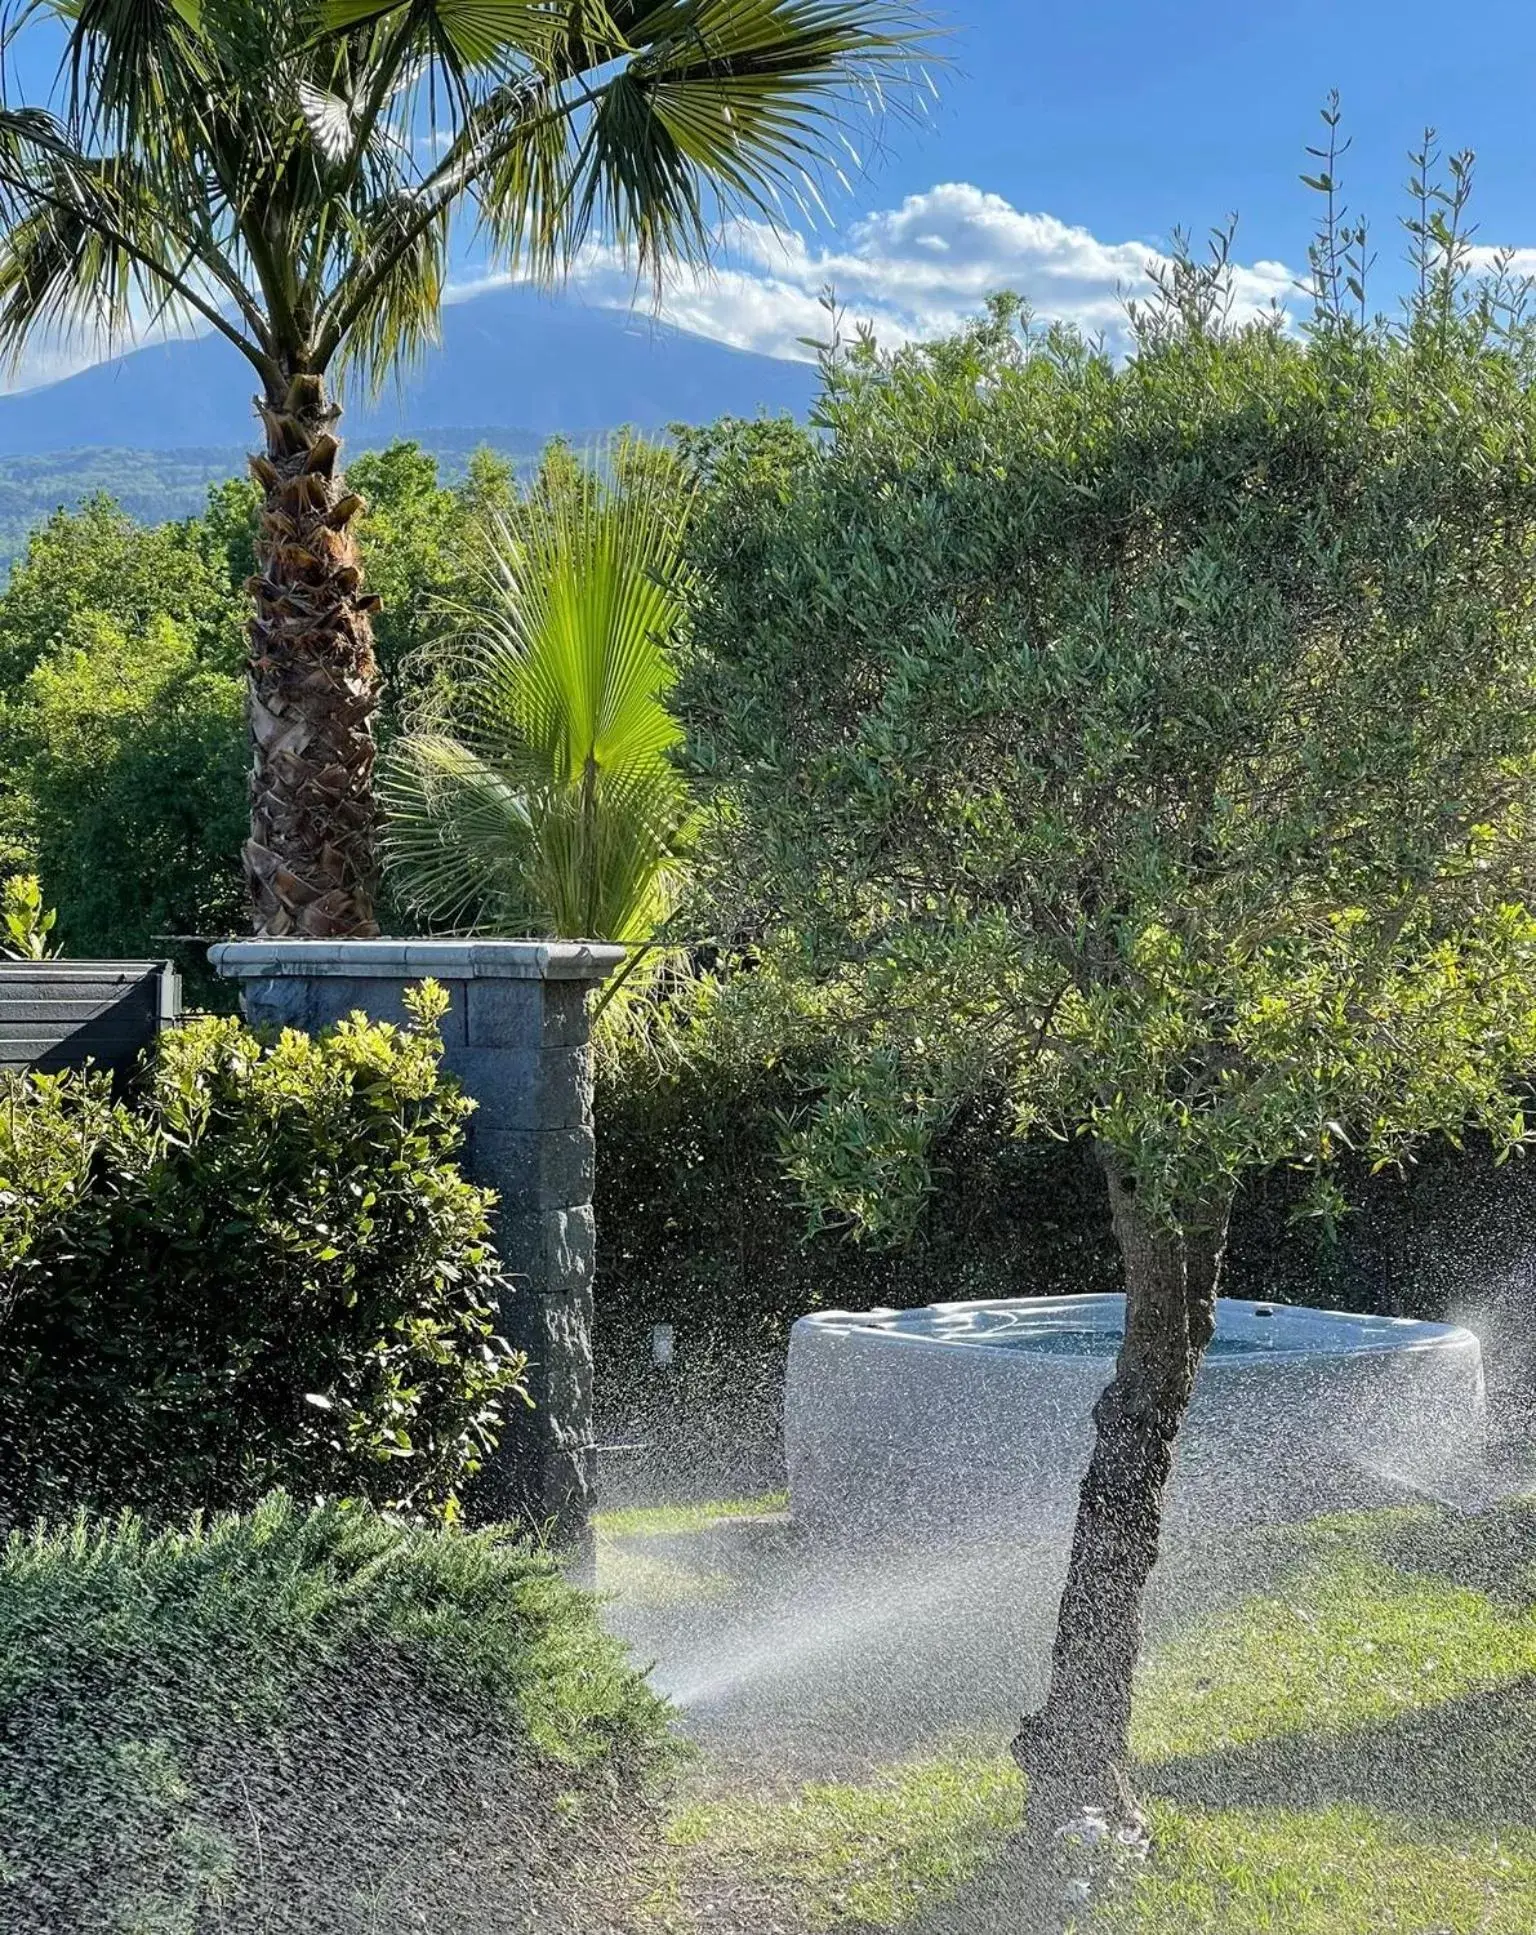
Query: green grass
[
  {"x": 669, "y": 1521},
  {"x": 844, "y": 1854},
  {"x": 1326, "y": 1871},
  {"x": 637, "y": 1559},
  {"x": 1351, "y": 1750},
  {"x": 1349, "y": 1644}
]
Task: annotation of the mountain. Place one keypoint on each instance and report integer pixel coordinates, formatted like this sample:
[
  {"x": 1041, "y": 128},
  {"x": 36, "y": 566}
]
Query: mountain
[{"x": 511, "y": 361}]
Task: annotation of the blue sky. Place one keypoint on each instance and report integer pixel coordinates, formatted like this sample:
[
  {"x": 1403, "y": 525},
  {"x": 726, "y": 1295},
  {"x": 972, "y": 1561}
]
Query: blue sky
[
  {"x": 1131, "y": 116},
  {"x": 1068, "y": 140}
]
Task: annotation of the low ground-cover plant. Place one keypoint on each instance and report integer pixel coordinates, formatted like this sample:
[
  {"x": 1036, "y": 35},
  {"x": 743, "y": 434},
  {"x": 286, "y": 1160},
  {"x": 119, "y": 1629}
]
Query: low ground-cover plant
[
  {"x": 263, "y": 1268},
  {"x": 305, "y": 1719}
]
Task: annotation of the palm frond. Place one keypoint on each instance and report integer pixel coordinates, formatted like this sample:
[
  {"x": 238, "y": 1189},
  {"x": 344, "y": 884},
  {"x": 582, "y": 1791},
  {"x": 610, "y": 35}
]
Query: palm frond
[
  {"x": 134, "y": 66},
  {"x": 85, "y": 256},
  {"x": 400, "y": 318},
  {"x": 482, "y": 33},
  {"x": 726, "y": 107},
  {"x": 543, "y": 795},
  {"x": 461, "y": 836}
]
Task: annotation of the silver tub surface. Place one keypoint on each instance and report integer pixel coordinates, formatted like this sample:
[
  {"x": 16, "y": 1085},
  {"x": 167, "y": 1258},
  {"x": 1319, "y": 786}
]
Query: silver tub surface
[{"x": 962, "y": 1413}]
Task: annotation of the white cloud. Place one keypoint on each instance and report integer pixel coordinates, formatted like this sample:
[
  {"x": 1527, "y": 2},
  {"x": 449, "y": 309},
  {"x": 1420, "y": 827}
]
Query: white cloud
[
  {"x": 919, "y": 270},
  {"x": 916, "y": 271},
  {"x": 1517, "y": 262}
]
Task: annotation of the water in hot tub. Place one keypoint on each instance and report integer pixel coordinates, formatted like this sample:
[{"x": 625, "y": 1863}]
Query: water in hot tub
[{"x": 1106, "y": 1343}]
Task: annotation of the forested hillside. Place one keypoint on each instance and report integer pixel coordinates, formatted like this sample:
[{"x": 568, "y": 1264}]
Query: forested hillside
[{"x": 155, "y": 486}]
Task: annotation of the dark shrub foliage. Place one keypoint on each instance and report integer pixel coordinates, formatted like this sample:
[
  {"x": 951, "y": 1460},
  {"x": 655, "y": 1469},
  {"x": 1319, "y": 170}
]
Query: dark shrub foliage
[
  {"x": 264, "y": 1269},
  {"x": 305, "y": 1720},
  {"x": 703, "y": 1229}
]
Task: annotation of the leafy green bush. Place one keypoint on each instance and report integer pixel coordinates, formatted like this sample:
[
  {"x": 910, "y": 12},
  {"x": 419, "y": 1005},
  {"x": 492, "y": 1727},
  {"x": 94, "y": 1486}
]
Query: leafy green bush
[
  {"x": 122, "y": 729},
  {"x": 98, "y": 562},
  {"x": 25, "y": 923},
  {"x": 123, "y": 741},
  {"x": 126, "y": 755},
  {"x": 313, "y": 1720},
  {"x": 263, "y": 1269}
]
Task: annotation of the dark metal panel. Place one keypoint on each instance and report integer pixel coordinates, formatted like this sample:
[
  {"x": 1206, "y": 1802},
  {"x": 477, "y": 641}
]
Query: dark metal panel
[{"x": 62, "y": 1014}]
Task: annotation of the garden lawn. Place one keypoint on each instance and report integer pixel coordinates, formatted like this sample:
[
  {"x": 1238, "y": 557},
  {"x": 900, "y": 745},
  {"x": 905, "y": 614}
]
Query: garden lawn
[{"x": 1348, "y": 1749}]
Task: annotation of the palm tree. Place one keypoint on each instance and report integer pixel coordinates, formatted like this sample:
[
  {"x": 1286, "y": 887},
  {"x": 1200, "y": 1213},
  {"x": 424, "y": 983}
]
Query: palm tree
[
  {"x": 288, "y": 172},
  {"x": 537, "y": 793}
]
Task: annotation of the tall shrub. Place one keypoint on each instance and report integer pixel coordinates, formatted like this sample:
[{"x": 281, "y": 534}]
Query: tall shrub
[
  {"x": 262, "y": 1269},
  {"x": 124, "y": 757}
]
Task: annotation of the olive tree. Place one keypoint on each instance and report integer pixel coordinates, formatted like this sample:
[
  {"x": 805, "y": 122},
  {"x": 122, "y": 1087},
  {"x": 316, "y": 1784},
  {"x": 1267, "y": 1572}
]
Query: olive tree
[{"x": 1154, "y": 736}]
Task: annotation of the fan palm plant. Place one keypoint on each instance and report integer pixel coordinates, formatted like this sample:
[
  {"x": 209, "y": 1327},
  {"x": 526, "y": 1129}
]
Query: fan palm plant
[
  {"x": 537, "y": 792},
  {"x": 287, "y": 172}
]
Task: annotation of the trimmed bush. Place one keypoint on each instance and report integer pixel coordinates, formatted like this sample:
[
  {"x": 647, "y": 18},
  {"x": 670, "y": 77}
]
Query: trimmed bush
[
  {"x": 263, "y": 1269},
  {"x": 306, "y": 1720}
]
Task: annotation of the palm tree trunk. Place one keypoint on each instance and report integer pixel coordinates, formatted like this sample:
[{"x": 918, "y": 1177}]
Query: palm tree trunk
[
  {"x": 311, "y": 861},
  {"x": 1075, "y": 1750}
]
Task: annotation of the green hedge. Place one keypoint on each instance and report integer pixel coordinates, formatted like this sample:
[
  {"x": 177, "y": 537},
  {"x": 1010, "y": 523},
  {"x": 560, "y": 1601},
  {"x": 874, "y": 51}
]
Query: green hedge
[
  {"x": 700, "y": 1227},
  {"x": 315, "y": 1720},
  {"x": 262, "y": 1269}
]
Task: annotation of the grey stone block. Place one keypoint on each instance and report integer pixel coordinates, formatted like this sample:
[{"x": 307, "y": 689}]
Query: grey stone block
[
  {"x": 526, "y": 1014},
  {"x": 335, "y": 997},
  {"x": 526, "y": 1088},
  {"x": 535, "y": 1170},
  {"x": 555, "y": 1249},
  {"x": 279, "y": 1001},
  {"x": 567, "y": 1375},
  {"x": 454, "y": 1025},
  {"x": 590, "y": 962},
  {"x": 504, "y": 1083},
  {"x": 567, "y": 1022},
  {"x": 566, "y": 1088},
  {"x": 544, "y": 1474},
  {"x": 505, "y": 1014},
  {"x": 558, "y": 1344},
  {"x": 546, "y": 1468}
]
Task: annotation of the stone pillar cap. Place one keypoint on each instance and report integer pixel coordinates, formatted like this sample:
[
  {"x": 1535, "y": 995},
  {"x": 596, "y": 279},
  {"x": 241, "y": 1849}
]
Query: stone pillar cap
[{"x": 448, "y": 960}]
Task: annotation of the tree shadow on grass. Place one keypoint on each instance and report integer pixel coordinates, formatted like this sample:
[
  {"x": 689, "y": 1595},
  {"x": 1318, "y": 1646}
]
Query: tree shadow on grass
[
  {"x": 1491, "y": 1552},
  {"x": 1470, "y": 1761},
  {"x": 1004, "y": 1897},
  {"x": 1469, "y": 1764}
]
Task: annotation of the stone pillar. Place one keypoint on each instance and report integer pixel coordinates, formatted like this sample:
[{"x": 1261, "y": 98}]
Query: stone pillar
[{"x": 516, "y": 1037}]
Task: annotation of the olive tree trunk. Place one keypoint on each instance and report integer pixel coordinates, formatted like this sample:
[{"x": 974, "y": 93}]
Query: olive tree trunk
[
  {"x": 1074, "y": 1751},
  {"x": 311, "y": 861}
]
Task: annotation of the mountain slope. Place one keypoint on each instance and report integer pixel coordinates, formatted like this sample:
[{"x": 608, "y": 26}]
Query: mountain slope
[{"x": 510, "y": 360}]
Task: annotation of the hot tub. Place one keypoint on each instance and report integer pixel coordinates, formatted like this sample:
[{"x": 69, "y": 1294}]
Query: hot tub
[{"x": 961, "y": 1413}]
